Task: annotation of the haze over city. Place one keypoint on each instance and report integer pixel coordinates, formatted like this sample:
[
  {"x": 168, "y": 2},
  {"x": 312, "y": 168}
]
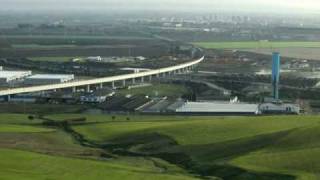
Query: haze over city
[{"x": 287, "y": 6}]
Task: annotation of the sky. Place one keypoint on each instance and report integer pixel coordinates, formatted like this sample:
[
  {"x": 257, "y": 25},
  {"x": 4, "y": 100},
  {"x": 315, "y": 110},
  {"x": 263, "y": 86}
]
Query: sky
[{"x": 187, "y": 5}]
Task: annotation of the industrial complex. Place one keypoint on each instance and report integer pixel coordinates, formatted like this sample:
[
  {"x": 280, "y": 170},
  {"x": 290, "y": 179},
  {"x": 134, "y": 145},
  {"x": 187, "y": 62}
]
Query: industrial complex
[
  {"x": 9, "y": 76},
  {"x": 40, "y": 79},
  {"x": 95, "y": 91}
]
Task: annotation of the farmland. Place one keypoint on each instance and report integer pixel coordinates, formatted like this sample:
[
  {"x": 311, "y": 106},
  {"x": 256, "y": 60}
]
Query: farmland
[
  {"x": 301, "y": 53},
  {"x": 282, "y": 147},
  {"x": 256, "y": 45},
  {"x": 301, "y": 50}
]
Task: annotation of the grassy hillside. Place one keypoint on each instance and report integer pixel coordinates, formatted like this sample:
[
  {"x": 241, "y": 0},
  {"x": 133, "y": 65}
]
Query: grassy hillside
[
  {"x": 25, "y": 165},
  {"x": 282, "y": 146},
  {"x": 256, "y": 44},
  {"x": 160, "y": 147},
  {"x": 198, "y": 130}
]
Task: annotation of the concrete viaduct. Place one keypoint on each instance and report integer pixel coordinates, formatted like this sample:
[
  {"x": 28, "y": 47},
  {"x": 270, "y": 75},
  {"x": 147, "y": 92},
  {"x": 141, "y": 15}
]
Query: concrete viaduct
[{"x": 100, "y": 81}]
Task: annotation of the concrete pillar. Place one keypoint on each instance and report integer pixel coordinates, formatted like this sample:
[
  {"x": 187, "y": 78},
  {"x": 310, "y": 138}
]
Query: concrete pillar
[
  {"x": 124, "y": 83},
  {"x": 163, "y": 74},
  {"x": 133, "y": 81},
  {"x": 158, "y": 75},
  {"x": 74, "y": 89},
  {"x": 150, "y": 78},
  {"x": 113, "y": 85},
  {"x": 101, "y": 86},
  {"x": 88, "y": 88},
  {"x": 142, "y": 79},
  {"x": 9, "y": 98}
]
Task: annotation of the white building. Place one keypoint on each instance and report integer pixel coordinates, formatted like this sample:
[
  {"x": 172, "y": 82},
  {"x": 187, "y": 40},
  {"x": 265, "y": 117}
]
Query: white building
[
  {"x": 218, "y": 108},
  {"x": 9, "y": 76},
  {"x": 1, "y": 68},
  {"x": 94, "y": 58},
  {"x": 279, "y": 108},
  {"x": 39, "y": 79}
]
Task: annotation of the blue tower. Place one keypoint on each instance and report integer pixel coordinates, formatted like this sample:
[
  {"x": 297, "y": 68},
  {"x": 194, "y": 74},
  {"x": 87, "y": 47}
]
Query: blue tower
[{"x": 275, "y": 75}]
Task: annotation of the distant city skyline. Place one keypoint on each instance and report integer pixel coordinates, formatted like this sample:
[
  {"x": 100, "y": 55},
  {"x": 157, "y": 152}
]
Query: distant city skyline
[{"x": 289, "y": 6}]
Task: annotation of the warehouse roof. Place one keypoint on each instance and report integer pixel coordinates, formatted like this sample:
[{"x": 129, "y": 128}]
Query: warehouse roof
[
  {"x": 51, "y": 76},
  {"x": 6, "y": 74},
  {"x": 218, "y": 107}
]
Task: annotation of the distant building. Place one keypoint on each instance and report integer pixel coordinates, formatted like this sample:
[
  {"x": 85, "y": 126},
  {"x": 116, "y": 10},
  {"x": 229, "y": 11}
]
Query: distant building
[
  {"x": 279, "y": 108},
  {"x": 140, "y": 58},
  {"x": 94, "y": 59},
  {"x": 221, "y": 108},
  {"x": 9, "y": 76},
  {"x": 135, "y": 70},
  {"x": 40, "y": 79},
  {"x": 98, "y": 96}
]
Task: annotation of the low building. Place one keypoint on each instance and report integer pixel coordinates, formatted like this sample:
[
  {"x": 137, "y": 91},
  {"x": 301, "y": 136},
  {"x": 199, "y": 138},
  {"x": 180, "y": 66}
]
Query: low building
[
  {"x": 40, "y": 79},
  {"x": 98, "y": 96},
  {"x": 9, "y": 76},
  {"x": 220, "y": 108},
  {"x": 279, "y": 108},
  {"x": 93, "y": 99},
  {"x": 94, "y": 59}
]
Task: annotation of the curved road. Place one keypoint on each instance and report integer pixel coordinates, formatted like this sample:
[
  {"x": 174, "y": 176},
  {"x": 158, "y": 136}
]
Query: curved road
[{"x": 97, "y": 81}]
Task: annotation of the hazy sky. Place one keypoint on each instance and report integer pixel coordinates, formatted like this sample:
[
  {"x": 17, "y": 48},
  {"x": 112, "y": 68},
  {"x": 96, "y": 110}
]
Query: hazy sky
[{"x": 245, "y": 5}]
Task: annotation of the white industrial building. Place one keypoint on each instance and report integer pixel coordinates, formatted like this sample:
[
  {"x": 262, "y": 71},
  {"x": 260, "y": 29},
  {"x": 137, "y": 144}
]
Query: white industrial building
[
  {"x": 9, "y": 76},
  {"x": 94, "y": 58},
  {"x": 97, "y": 97},
  {"x": 218, "y": 108},
  {"x": 279, "y": 108},
  {"x": 40, "y": 79}
]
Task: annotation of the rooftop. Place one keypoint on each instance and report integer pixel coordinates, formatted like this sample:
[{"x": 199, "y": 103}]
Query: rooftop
[
  {"x": 51, "y": 76},
  {"x": 218, "y": 107},
  {"x": 6, "y": 74}
]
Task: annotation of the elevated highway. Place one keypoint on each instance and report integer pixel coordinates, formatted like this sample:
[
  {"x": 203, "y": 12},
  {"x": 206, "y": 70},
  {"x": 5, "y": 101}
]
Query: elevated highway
[{"x": 100, "y": 81}]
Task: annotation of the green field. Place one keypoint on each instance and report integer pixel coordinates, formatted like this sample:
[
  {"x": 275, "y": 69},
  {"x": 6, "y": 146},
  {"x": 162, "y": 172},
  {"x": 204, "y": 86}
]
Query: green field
[
  {"x": 52, "y": 59},
  {"x": 25, "y": 165},
  {"x": 256, "y": 45},
  {"x": 171, "y": 147}
]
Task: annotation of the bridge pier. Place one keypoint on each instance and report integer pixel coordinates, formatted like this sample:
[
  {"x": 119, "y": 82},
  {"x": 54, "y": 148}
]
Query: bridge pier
[
  {"x": 101, "y": 86},
  {"x": 142, "y": 79},
  {"x": 88, "y": 88},
  {"x": 124, "y": 83},
  {"x": 150, "y": 78},
  {"x": 113, "y": 85},
  {"x": 133, "y": 80},
  {"x": 74, "y": 89}
]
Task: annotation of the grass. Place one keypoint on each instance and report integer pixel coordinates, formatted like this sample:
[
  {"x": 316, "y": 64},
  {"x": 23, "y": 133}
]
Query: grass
[
  {"x": 273, "y": 144},
  {"x": 284, "y": 145},
  {"x": 52, "y": 59},
  {"x": 17, "y": 119},
  {"x": 25, "y": 165},
  {"x": 44, "y": 47},
  {"x": 256, "y": 45},
  {"x": 39, "y": 108},
  {"x": 199, "y": 130},
  {"x": 158, "y": 90},
  {"x": 22, "y": 129}
]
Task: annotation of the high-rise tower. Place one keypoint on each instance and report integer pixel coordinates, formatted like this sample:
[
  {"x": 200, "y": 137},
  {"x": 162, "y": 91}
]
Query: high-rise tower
[{"x": 275, "y": 75}]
